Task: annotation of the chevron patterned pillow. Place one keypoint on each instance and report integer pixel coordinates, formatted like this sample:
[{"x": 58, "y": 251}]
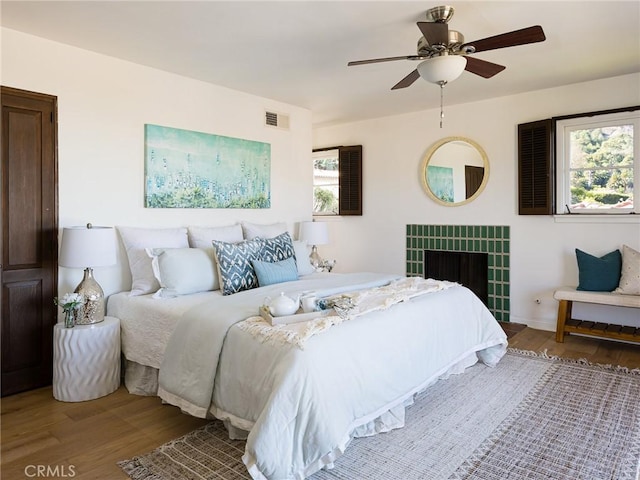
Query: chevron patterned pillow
[
  {"x": 234, "y": 264},
  {"x": 277, "y": 248}
]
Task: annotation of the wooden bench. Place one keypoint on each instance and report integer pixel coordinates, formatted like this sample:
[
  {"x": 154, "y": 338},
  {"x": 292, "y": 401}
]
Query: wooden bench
[{"x": 566, "y": 325}]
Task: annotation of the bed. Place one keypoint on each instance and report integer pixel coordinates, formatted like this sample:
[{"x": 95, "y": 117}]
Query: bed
[{"x": 299, "y": 405}]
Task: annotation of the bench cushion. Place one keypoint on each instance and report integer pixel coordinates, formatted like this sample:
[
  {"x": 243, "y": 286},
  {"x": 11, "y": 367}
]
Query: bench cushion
[{"x": 603, "y": 298}]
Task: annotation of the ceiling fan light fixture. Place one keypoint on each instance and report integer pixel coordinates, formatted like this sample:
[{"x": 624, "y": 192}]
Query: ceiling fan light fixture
[{"x": 442, "y": 69}]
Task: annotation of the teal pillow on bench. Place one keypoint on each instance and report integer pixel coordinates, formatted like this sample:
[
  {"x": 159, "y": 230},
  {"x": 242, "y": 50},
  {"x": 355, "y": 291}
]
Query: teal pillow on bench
[{"x": 598, "y": 274}]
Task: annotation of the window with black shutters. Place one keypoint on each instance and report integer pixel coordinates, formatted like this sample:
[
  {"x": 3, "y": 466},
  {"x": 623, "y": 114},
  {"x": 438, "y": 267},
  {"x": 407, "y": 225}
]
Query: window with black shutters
[
  {"x": 585, "y": 163},
  {"x": 337, "y": 180}
]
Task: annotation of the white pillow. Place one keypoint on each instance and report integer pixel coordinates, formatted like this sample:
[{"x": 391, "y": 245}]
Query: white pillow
[
  {"x": 630, "y": 274},
  {"x": 181, "y": 271},
  {"x": 200, "y": 237},
  {"x": 302, "y": 258},
  {"x": 135, "y": 241},
  {"x": 253, "y": 230}
]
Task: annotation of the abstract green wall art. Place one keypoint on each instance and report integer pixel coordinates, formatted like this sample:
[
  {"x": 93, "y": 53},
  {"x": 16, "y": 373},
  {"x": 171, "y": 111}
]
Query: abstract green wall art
[{"x": 187, "y": 169}]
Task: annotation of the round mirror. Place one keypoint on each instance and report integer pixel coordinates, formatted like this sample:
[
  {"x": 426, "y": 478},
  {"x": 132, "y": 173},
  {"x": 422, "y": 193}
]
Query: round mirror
[{"x": 454, "y": 171}]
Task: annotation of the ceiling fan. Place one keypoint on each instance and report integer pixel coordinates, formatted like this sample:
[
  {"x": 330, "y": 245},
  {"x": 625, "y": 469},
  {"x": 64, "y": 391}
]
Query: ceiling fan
[{"x": 444, "y": 54}]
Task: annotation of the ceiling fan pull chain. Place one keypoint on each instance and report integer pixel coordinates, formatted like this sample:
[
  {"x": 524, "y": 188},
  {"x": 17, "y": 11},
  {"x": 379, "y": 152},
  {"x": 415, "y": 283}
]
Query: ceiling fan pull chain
[{"x": 442, "y": 84}]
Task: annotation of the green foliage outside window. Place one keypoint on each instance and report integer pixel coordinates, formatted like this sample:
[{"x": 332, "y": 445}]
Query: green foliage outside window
[
  {"x": 326, "y": 185},
  {"x": 324, "y": 201},
  {"x": 602, "y": 167}
]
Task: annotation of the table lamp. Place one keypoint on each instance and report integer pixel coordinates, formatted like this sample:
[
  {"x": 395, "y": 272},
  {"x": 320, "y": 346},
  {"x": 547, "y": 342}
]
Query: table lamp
[
  {"x": 314, "y": 233},
  {"x": 88, "y": 247}
]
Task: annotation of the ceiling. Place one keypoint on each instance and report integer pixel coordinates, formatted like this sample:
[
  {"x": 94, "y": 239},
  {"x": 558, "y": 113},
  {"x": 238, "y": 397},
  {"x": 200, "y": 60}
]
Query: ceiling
[{"x": 297, "y": 51}]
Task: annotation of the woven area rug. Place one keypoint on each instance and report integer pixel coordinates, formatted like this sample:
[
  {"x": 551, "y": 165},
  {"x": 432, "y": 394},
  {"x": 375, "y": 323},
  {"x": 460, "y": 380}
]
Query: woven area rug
[{"x": 531, "y": 417}]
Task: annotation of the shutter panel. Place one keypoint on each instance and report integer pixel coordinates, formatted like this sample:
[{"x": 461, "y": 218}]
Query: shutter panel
[
  {"x": 535, "y": 168},
  {"x": 350, "y": 170}
]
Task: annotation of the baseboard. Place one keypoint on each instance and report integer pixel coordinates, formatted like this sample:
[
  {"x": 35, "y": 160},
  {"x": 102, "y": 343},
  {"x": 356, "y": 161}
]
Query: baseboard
[{"x": 539, "y": 324}]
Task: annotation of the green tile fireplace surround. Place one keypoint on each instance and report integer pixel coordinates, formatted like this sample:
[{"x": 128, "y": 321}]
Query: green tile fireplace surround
[{"x": 490, "y": 239}]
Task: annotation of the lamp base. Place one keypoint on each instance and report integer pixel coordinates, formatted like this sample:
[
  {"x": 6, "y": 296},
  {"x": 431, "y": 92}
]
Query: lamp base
[
  {"x": 315, "y": 258},
  {"x": 93, "y": 309}
]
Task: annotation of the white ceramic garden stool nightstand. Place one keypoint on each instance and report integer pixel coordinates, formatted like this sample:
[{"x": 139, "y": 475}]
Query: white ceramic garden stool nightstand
[{"x": 86, "y": 360}]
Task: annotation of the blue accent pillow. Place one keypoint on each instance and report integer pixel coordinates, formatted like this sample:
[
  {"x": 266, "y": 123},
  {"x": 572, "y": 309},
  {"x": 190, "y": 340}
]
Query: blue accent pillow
[
  {"x": 234, "y": 264},
  {"x": 269, "y": 273},
  {"x": 277, "y": 248},
  {"x": 598, "y": 274}
]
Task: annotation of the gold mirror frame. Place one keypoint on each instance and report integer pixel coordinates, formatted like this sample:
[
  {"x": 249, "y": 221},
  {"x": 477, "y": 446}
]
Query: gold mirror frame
[{"x": 436, "y": 149}]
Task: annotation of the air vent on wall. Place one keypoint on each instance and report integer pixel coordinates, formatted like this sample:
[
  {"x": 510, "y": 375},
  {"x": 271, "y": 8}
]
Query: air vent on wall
[{"x": 277, "y": 120}]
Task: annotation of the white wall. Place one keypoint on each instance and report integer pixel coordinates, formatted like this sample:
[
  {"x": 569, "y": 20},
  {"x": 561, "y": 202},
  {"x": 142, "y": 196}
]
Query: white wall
[
  {"x": 103, "y": 104},
  {"x": 542, "y": 251}
]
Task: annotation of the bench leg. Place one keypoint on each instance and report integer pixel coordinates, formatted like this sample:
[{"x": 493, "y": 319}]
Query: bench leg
[{"x": 564, "y": 314}]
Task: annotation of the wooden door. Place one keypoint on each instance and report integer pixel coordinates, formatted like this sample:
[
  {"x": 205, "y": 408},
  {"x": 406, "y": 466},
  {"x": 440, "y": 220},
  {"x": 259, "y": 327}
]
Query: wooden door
[
  {"x": 473, "y": 177},
  {"x": 29, "y": 238}
]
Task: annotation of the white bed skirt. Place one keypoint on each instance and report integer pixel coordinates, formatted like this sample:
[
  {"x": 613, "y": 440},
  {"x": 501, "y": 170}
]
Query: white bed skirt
[
  {"x": 140, "y": 379},
  {"x": 143, "y": 380}
]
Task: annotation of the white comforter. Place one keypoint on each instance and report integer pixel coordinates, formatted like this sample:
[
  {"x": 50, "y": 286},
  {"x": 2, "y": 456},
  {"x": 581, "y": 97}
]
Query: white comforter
[{"x": 302, "y": 407}]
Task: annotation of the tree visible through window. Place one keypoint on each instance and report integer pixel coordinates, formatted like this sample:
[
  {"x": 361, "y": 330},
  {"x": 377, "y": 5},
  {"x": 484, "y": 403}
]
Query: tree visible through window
[
  {"x": 602, "y": 167},
  {"x": 326, "y": 182},
  {"x": 598, "y": 157},
  {"x": 337, "y": 181}
]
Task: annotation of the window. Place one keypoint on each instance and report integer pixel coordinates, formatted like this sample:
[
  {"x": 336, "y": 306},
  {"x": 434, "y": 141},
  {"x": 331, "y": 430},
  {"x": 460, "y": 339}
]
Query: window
[
  {"x": 337, "y": 181},
  {"x": 598, "y": 163},
  {"x": 326, "y": 188}
]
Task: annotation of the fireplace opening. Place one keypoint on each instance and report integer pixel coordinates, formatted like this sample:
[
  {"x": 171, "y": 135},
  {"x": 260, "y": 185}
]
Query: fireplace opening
[{"x": 467, "y": 268}]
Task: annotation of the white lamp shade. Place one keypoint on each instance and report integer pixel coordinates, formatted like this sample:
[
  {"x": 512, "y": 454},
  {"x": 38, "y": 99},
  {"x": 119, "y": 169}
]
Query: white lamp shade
[
  {"x": 445, "y": 68},
  {"x": 314, "y": 233},
  {"x": 84, "y": 247}
]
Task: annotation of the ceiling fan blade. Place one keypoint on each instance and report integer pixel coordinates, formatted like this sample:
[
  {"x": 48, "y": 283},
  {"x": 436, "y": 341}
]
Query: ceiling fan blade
[
  {"x": 435, "y": 33},
  {"x": 482, "y": 67},
  {"x": 407, "y": 81},
  {"x": 511, "y": 39},
  {"x": 378, "y": 60}
]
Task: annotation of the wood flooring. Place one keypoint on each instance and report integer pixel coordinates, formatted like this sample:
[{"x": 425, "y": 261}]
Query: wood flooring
[
  {"x": 609, "y": 352},
  {"x": 85, "y": 440}
]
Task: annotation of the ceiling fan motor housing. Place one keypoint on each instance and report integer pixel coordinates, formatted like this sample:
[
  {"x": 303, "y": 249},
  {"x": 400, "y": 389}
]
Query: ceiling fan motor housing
[{"x": 455, "y": 41}]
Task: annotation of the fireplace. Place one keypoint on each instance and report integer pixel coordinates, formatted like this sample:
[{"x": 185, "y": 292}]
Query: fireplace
[
  {"x": 466, "y": 268},
  {"x": 492, "y": 240}
]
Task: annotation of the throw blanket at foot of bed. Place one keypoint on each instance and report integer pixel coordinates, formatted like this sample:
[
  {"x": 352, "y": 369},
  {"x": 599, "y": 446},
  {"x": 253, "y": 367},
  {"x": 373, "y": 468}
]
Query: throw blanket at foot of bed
[
  {"x": 301, "y": 408},
  {"x": 348, "y": 306}
]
